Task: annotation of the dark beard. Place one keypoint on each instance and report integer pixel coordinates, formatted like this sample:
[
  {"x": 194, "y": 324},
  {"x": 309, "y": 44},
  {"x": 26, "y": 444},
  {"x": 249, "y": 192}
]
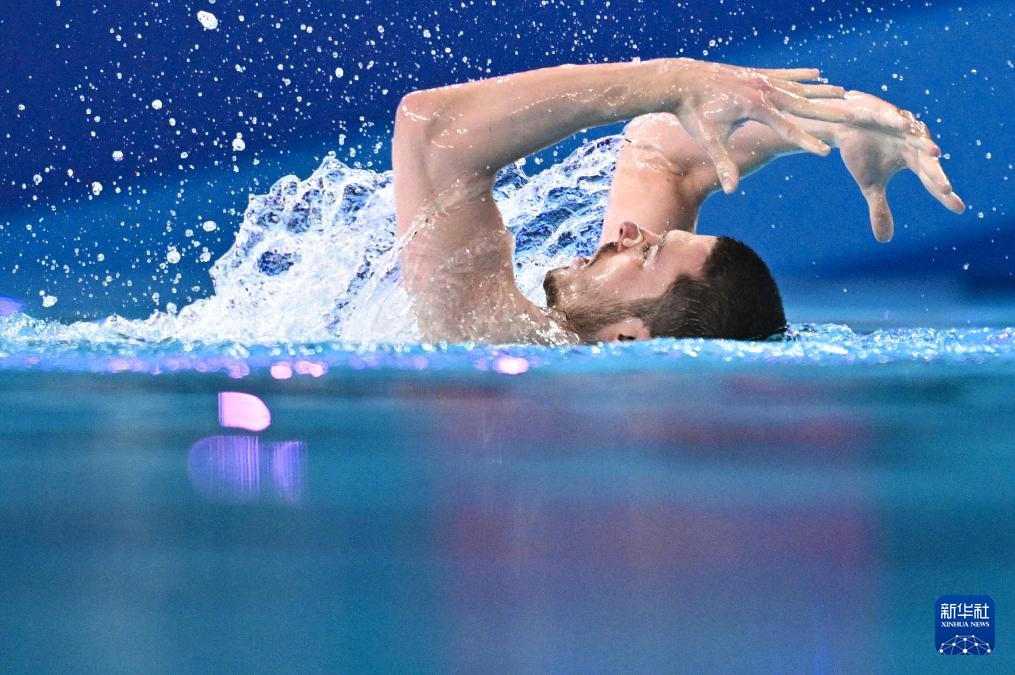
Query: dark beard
[{"x": 550, "y": 286}]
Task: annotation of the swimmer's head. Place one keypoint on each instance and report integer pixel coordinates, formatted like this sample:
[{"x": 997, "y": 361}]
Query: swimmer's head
[{"x": 677, "y": 285}]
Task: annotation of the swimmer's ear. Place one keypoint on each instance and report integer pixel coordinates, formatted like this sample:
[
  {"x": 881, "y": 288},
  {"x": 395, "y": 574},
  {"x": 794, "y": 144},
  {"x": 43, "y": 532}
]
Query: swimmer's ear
[{"x": 630, "y": 328}]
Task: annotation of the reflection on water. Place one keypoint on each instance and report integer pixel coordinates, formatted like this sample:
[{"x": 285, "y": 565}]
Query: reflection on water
[
  {"x": 229, "y": 469},
  {"x": 287, "y": 471},
  {"x": 723, "y": 519},
  {"x": 243, "y": 411},
  {"x": 225, "y": 467},
  {"x": 511, "y": 365},
  {"x": 283, "y": 370}
]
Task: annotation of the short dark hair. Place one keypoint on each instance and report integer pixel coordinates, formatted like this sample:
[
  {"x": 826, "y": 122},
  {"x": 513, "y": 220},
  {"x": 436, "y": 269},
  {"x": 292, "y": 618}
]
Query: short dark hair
[{"x": 735, "y": 297}]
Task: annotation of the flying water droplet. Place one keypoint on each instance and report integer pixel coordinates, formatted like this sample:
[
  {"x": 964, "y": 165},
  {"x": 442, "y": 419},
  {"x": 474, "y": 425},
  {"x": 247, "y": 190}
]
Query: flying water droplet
[{"x": 208, "y": 20}]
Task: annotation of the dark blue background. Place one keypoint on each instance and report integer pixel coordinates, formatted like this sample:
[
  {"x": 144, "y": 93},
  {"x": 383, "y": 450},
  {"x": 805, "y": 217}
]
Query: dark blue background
[{"x": 86, "y": 76}]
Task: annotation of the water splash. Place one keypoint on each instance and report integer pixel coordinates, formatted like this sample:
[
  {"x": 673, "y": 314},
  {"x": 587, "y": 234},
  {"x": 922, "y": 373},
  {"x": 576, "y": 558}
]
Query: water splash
[
  {"x": 312, "y": 283},
  {"x": 314, "y": 259}
]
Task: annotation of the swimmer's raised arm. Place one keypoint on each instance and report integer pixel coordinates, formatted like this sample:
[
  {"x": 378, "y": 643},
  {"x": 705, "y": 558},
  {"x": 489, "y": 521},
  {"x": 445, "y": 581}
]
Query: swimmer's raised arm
[
  {"x": 663, "y": 175},
  {"x": 468, "y": 131}
]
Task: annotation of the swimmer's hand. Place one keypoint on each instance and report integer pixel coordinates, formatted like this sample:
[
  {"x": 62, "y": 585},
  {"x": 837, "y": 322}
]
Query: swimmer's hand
[
  {"x": 881, "y": 141},
  {"x": 716, "y": 99}
]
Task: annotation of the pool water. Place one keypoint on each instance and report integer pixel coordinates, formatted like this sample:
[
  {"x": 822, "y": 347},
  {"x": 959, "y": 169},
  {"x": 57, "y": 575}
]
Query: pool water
[{"x": 669, "y": 506}]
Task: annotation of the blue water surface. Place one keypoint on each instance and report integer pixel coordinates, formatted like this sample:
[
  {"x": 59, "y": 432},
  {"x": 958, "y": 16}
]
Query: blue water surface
[{"x": 670, "y": 506}]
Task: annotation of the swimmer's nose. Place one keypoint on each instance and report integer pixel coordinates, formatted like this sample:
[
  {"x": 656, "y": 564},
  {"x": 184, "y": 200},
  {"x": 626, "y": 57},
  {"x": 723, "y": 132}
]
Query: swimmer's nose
[{"x": 630, "y": 236}]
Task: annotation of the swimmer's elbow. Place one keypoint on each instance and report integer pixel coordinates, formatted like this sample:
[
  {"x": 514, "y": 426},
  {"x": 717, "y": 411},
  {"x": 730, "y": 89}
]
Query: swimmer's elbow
[
  {"x": 431, "y": 134},
  {"x": 420, "y": 123},
  {"x": 416, "y": 114}
]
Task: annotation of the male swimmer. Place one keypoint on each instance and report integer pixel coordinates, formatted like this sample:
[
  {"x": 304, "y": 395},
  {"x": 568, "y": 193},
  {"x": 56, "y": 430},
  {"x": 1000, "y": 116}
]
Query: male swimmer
[{"x": 697, "y": 126}]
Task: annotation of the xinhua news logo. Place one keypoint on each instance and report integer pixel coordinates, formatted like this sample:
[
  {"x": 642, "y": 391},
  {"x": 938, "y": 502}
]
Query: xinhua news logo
[{"x": 964, "y": 625}]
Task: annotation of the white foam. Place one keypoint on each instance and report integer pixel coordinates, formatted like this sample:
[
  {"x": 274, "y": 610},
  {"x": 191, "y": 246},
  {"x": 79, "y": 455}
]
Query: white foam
[{"x": 314, "y": 259}]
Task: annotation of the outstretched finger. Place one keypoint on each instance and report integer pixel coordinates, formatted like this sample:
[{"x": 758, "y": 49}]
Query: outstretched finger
[
  {"x": 792, "y": 133},
  {"x": 953, "y": 202},
  {"x": 791, "y": 74},
  {"x": 872, "y": 111},
  {"x": 812, "y": 90},
  {"x": 934, "y": 180},
  {"x": 713, "y": 140},
  {"x": 882, "y": 222},
  {"x": 949, "y": 199},
  {"x": 825, "y": 110},
  {"x": 929, "y": 168},
  {"x": 725, "y": 167},
  {"x": 923, "y": 144}
]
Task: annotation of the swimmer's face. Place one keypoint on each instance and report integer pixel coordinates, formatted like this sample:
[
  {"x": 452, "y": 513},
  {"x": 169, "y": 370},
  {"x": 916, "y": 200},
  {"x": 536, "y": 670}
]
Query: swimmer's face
[{"x": 637, "y": 265}]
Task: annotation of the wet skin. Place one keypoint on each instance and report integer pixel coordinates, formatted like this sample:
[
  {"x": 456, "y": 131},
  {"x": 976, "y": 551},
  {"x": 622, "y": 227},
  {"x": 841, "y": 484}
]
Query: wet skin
[{"x": 638, "y": 264}]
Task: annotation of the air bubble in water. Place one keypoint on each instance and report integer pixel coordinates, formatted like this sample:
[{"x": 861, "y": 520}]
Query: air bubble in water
[
  {"x": 48, "y": 300},
  {"x": 36, "y": 179},
  {"x": 339, "y": 72},
  {"x": 117, "y": 156},
  {"x": 208, "y": 20},
  {"x": 238, "y": 144},
  {"x": 156, "y": 104},
  {"x": 172, "y": 255},
  {"x": 96, "y": 188},
  {"x": 209, "y": 226}
]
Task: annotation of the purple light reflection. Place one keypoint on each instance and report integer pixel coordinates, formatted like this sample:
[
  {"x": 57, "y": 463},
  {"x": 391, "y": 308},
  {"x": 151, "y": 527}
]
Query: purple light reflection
[
  {"x": 312, "y": 368},
  {"x": 287, "y": 471},
  {"x": 281, "y": 371},
  {"x": 225, "y": 468},
  {"x": 511, "y": 365},
  {"x": 243, "y": 411},
  {"x": 229, "y": 469}
]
